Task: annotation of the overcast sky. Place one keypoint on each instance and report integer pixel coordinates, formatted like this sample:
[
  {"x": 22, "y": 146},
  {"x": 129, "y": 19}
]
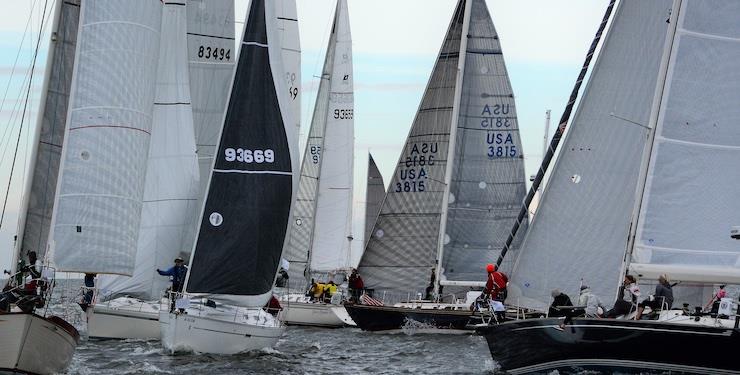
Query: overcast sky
[{"x": 395, "y": 43}]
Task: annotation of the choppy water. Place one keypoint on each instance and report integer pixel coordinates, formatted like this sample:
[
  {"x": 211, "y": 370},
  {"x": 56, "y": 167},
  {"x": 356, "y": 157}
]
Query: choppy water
[{"x": 299, "y": 351}]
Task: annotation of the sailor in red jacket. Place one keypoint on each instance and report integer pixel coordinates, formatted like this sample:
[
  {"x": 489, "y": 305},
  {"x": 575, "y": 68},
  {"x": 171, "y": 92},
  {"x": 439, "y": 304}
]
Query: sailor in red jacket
[{"x": 496, "y": 284}]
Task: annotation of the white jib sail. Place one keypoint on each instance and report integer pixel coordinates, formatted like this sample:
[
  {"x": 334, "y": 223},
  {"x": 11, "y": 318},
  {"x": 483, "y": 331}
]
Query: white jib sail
[
  {"x": 98, "y": 210},
  {"x": 172, "y": 187}
]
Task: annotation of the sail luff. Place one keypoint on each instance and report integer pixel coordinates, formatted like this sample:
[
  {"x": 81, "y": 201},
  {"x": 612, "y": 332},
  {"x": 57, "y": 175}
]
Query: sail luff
[
  {"x": 98, "y": 205},
  {"x": 450, "y": 163},
  {"x": 35, "y": 211}
]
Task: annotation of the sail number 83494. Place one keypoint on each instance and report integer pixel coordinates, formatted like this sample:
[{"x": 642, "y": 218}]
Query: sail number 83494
[{"x": 249, "y": 156}]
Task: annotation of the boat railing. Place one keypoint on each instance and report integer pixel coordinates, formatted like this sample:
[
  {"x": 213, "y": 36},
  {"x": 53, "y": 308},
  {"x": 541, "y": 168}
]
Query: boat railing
[
  {"x": 27, "y": 292},
  {"x": 195, "y": 305}
]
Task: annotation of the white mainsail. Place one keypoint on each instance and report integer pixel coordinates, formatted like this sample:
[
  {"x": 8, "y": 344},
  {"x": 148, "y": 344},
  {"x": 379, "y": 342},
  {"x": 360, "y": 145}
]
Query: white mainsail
[
  {"x": 290, "y": 43},
  {"x": 689, "y": 201},
  {"x": 321, "y": 233},
  {"x": 96, "y": 217},
  {"x": 212, "y": 55},
  {"x": 462, "y": 162},
  {"x": 171, "y": 189},
  {"x": 580, "y": 232}
]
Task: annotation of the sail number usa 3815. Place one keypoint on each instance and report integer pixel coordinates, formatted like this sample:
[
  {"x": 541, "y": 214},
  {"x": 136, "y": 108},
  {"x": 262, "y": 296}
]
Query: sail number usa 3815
[{"x": 244, "y": 155}]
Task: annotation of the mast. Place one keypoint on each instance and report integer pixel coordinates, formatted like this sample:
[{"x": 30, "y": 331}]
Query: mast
[
  {"x": 452, "y": 142},
  {"x": 547, "y": 158},
  {"x": 655, "y": 113}
]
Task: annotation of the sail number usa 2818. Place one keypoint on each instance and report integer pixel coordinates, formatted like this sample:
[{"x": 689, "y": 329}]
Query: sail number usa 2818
[{"x": 243, "y": 155}]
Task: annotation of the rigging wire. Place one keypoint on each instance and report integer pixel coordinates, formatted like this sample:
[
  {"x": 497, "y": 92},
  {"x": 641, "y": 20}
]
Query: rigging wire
[{"x": 25, "y": 108}]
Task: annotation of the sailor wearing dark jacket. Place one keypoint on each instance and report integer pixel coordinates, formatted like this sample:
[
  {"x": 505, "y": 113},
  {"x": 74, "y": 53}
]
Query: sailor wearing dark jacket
[
  {"x": 177, "y": 274},
  {"x": 663, "y": 297},
  {"x": 559, "y": 299}
]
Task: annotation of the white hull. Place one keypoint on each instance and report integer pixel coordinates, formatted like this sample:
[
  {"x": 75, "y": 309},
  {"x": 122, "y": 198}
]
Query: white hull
[
  {"x": 228, "y": 333},
  {"x": 299, "y": 310},
  {"x": 138, "y": 320},
  {"x": 33, "y": 344}
]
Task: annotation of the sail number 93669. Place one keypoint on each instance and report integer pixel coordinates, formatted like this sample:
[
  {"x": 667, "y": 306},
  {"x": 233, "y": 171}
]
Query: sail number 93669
[
  {"x": 249, "y": 156},
  {"x": 343, "y": 114}
]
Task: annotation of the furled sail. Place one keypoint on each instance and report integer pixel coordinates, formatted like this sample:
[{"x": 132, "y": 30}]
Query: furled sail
[
  {"x": 488, "y": 179},
  {"x": 40, "y": 192},
  {"x": 690, "y": 200},
  {"x": 171, "y": 188},
  {"x": 374, "y": 196},
  {"x": 579, "y": 234},
  {"x": 211, "y": 54},
  {"x": 247, "y": 208},
  {"x": 99, "y": 196},
  {"x": 321, "y": 231}
]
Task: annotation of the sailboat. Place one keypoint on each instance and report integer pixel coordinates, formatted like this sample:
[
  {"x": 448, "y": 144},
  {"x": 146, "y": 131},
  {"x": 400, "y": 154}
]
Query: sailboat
[
  {"x": 320, "y": 237},
  {"x": 35, "y": 341},
  {"x": 456, "y": 189},
  {"x": 667, "y": 206},
  {"x": 128, "y": 307},
  {"x": 247, "y": 209}
]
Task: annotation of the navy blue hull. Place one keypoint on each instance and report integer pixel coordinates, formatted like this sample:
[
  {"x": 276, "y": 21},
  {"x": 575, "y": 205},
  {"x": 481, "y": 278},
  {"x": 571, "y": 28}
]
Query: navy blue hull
[
  {"x": 537, "y": 345},
  {"x": 383, "y": 318}
]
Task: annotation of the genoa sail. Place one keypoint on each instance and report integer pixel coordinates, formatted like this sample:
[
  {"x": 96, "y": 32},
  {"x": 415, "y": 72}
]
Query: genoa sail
[
  {"x": 247, "y": 208},
  {"x": 689, "y": 201},
  {"x": 96, "y": 217},
  {"x": 39, "y": 197},
  {"x": 171, "y": 187},
  {"x": 373, "y": 196},
  {"x": 584, "y": 214},
  {"x": 320, "y": 236}
]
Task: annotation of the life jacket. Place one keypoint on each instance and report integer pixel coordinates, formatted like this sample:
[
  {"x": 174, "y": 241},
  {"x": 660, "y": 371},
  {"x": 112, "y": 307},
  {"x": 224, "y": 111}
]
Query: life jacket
[{"x": 318, "y": 290}]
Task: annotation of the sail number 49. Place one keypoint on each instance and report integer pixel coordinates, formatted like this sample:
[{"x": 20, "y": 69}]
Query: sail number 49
[{"x": 249, "y": 156}]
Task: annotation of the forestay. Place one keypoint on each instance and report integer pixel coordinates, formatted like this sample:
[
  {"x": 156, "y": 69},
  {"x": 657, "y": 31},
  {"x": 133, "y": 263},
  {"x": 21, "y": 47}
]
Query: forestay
[
  {"x": 580, "y": 231},
  {"x": 322, "y": 227},
  {"x": 690, "y": 200},
  {"x": 488, "y": 180},
  {"x": 171, "y": 188},
  {"x": 97, "y": 214},
  {"x": 39, "y": 197},
  {"x": 211, "y": 53},
  {"x": 374, "y": 196},
  {"x": 247, "y": 208},
  {"x": 403, "y": 245}
]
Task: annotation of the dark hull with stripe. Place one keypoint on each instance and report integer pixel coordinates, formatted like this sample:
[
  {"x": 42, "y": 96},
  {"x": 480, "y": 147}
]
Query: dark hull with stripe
[
  {"x": 384, "y": 318},
  {"x": 537, "y": 345}
]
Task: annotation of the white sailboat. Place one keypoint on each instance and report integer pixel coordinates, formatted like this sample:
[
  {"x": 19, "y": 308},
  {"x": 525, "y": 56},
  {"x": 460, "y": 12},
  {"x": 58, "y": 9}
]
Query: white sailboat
[
  {"x": 666, "y": 207},
  {"x": 456, "y": 190},
  {"x": 320, "y": 236},
  {"x": 245, "y": 216},
  {"x": 33, "y": 341},
  {"x": 128, "y": 307}
]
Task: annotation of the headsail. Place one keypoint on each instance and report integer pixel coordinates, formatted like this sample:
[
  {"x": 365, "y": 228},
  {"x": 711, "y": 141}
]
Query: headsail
[
  {"x": 583, "y": 217},
  {"x": 374, "y": 196},
  {"x": 247, "y": 208},
  {"x": 323, "y": 216},
  {"x": 96, "y": 217},
  {"x": 39, "y": 197},
  {"x": 171, "y": 188},
  {"x": 690, "y": 198}
]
